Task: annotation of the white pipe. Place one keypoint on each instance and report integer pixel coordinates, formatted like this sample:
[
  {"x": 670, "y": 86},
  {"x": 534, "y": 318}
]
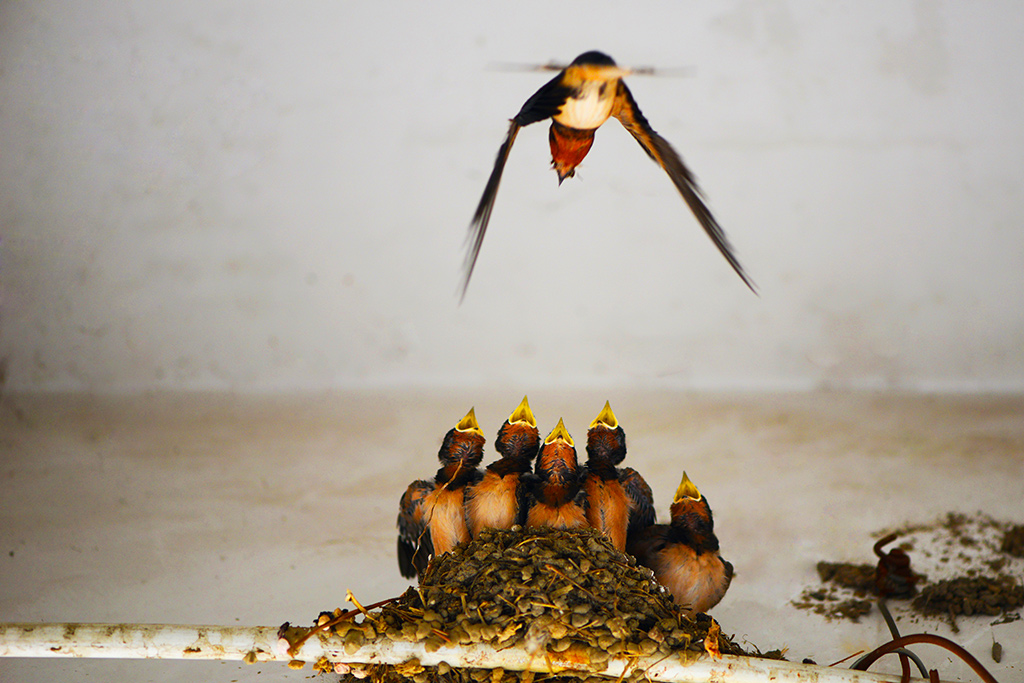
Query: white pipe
[
  {"x": 138, "y": 641},
  {"x": 260, "y": 643}
]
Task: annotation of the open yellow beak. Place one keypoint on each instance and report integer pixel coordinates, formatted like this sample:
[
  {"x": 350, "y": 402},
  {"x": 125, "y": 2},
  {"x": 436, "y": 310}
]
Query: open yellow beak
[
  {"x": 523, "y": 414},
  {"x": 606, "y": 418},
  {"x": 469, "y": 424},
  {"x": 686, "y": 490},
  {"x": 559, "y": 432}
]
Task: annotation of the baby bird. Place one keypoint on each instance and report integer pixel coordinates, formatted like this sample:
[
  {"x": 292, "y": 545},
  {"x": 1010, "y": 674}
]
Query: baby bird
[
  {"x": 432, "y": 515},
  {"x": 607, "y": 505},
  {"x": 557, "y": 499},
  {"x": 619, "y": 502},
  {"x": 498, "y": 500},
  {"x": 684, "y": 554}
]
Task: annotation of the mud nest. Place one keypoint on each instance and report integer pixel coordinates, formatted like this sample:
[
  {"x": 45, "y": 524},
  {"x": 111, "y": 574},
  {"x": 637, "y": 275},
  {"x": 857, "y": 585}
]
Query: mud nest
[{"x": 543, "y": 590}]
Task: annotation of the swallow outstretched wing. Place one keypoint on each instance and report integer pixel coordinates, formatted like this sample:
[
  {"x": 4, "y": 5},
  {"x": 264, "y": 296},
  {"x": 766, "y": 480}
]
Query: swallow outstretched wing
[
  {"x": 414, "y": 544},
  {"x": 544, "y": 104},
  {"x": 628, "y": 113}
]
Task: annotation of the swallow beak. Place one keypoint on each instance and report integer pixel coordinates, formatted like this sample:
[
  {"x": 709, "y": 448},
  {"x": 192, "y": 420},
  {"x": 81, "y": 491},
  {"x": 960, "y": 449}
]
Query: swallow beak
[
  {"x": 523, "y": 414},
  {"x": 562, "y": 175},
  {"x": 686, "y": 490},
  {"x": 559, "y": 433},
  {"x": 469, "y": 424},
  {"x": 606, "y": 418}
]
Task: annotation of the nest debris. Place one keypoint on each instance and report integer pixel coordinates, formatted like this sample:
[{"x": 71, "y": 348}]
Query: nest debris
[
  {"x": 970, "y": 595},
  {"x": 976, "y": 553}
]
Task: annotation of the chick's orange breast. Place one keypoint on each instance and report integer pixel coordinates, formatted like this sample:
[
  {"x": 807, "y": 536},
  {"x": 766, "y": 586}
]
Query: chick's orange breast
[
  {"x": 608, "y": 509},
  {"x": 447, "y": 519},
  {"x": 493, "y": 503},
  {"x": 567, "y": 516},
  {"x": 697, "y": 582}
]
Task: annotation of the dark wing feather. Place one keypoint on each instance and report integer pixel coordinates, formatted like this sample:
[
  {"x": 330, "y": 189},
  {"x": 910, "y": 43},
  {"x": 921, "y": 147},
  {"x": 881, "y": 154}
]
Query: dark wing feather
[
  {"x": 647, "y": 543},
  {"x": 641, "y": 500},
  {"x": 658, "y": 148},
  {"x": 478, "y": 226},
  {"x": 523, "y": 497},
  {"x": 582, "y": 499},
  {"x": 544, "y": 104},
  {"x": 414, "y": 544}
]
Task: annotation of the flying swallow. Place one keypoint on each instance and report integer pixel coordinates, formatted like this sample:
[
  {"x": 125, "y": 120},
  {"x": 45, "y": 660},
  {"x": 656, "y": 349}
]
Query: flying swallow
[
  {"x": 578, "y": 101},
  {"x": 432, "y": 515},
  {"x": 684, "y": 554},
  {"x": 557, "y": 498},
  {"x": 498, "y": 500}
]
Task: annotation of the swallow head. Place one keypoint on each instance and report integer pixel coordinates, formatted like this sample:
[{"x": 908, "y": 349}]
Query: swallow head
[
  {"x": 463, "y": 445},
  {"x": 691, "y": 516},
  {"x": 606, "y": 441},
  {"x": 597, "y": 65},
  {"x": 519, "y": 437},
  {"x": 557, "y": 458},
  {"x": 594, "y": 57}
]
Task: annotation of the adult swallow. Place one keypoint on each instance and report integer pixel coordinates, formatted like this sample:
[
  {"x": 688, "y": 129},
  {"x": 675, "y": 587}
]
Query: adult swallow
[
  {"x": 557, "y": 499},
  {"x": 578, "y": 100},
  {"x": 432, "y": 515},
  {"x": 684, "y": 554},
  {"x": 498, "y": 500}
]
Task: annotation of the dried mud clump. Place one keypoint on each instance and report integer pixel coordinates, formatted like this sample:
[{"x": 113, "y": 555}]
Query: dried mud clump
[
  {"x": 858, "y": 577},
  {"x": 841, "y": 579},
  {"x": 968, "y": 596},
  {"x": 543, "y": 590},
  {"x": 1013, "y": 541}
]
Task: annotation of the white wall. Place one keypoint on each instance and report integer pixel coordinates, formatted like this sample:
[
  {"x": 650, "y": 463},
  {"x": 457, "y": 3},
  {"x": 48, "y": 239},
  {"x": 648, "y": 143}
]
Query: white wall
[{"x": 274, "y": 196}]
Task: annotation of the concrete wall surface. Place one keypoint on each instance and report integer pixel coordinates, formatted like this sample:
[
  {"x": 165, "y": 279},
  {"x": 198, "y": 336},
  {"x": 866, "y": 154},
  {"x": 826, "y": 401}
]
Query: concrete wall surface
[{"x": 273, "y": 196}]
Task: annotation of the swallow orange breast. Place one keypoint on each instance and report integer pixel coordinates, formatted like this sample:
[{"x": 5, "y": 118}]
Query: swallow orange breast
[
  {"x": 578, "y": 101},
  {"x": 557, "y": 499},
  {"x": 684, "y": 554},
  {"x": 432, "y": 515},
  {"x": 498, "y": 500}
]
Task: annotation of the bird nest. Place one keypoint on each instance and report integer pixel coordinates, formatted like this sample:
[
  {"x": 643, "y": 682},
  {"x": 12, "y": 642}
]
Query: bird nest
[{"x": 564, "y": 596}]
